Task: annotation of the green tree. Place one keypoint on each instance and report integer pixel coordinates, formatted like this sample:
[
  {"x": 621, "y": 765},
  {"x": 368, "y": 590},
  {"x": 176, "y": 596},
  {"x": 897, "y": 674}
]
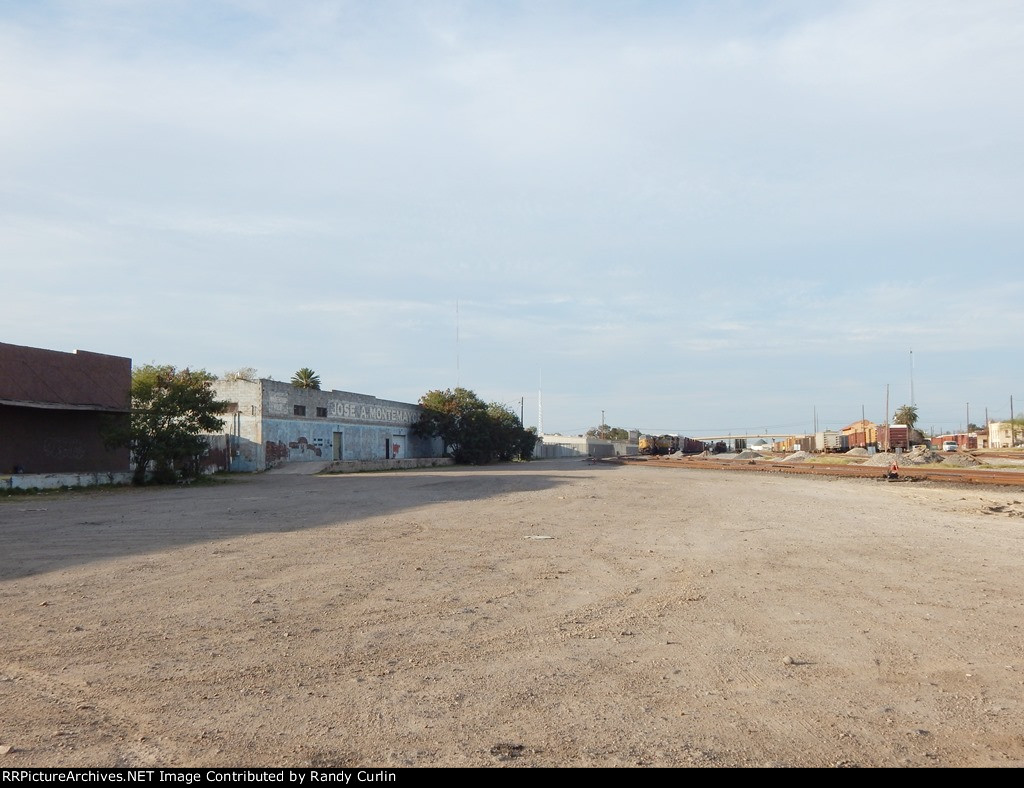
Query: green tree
[
  {"x": 604, "y": 432},
  {"x": 527, "y": 443},
  {"x": 446, "y": 415},
  {"x": 505, "y": 432},
  {"x": 171, "y": 410},
  {"x": 906, "y": 414},
  {"x": 306, "y": 378},
  {"x": 471, "y": 430}
]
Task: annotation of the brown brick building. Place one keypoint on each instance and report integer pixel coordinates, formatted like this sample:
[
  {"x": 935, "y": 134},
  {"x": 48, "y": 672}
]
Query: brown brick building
[{"x": 52, "y": 406}]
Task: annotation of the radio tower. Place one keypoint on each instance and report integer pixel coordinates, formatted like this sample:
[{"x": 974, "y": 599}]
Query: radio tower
[
  {"x": 540, "y": 405},
  {"x": 912, "y": 403}
]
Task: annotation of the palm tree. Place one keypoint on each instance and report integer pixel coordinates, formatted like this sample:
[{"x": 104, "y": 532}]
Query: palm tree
[
  {"x": 906, "y": 414},
  {"x": 306, "y": 378}
]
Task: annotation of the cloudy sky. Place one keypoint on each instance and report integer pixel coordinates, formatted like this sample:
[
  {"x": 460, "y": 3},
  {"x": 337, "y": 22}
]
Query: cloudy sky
[{"x": 696, "y": 217}]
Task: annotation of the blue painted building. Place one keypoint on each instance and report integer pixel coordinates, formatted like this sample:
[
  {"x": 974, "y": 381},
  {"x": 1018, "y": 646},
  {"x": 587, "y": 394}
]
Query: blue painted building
[{"x": 270, "y": 422}]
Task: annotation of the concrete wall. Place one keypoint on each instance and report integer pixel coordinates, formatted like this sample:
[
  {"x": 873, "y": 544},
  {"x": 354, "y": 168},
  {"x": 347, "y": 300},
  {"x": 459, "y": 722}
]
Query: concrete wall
[
  {"x": 55, "y": 481},
  {"x": 389, "y": 465}
]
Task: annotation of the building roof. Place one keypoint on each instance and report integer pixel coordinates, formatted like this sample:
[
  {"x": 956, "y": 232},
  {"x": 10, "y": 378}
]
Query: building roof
[{"x": 38, "y": 378}]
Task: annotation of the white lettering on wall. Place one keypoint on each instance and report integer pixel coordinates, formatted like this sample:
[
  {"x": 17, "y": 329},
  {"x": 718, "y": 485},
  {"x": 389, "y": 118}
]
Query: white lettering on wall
[{"x": 354, "y": 411}]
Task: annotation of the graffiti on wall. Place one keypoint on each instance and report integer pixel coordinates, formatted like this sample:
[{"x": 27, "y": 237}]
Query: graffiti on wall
[
  {"x": 302, "y": 445},
  {"x": 277, "y": 451}
]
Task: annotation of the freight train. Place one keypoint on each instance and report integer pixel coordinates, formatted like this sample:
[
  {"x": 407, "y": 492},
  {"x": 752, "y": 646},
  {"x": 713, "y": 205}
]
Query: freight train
[{"x": 669, "y": 444}]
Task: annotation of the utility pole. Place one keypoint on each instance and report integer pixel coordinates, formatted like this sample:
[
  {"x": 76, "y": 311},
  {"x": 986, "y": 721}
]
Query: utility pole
[{"x": 1013, "y": 432}]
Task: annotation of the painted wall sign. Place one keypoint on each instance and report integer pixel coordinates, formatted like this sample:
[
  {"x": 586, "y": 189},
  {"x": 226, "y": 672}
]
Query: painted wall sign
[{"x": 354, "y": 411}]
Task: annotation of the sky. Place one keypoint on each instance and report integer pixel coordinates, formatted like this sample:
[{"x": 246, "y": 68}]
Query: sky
[{"x": 692, "y": 217}]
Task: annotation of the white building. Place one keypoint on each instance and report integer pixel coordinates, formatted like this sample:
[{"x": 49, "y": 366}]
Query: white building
[{"x": 1002, "y": 434}]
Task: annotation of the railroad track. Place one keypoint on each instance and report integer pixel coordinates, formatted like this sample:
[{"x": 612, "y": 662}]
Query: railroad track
[{"x": 904, "y": 473}]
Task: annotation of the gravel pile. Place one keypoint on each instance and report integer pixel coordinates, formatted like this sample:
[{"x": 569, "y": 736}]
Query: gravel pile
[
  {"x": 883, "y": 459},
  {"x": 924, "y": 456},
  {"x": 750, "y": 454},
  {"x": 962, "y": 460},
  {"x": 859, "y": 451},
  {"x": 915, "y": 457},
  {"x": 797, "y": 456}
]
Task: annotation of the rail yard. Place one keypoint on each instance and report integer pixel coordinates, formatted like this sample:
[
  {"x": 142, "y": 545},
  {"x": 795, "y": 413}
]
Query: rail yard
[{"x": 1010, "y": 474}]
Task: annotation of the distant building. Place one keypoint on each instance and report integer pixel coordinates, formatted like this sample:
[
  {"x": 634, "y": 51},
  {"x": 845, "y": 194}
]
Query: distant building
[
  {"x": 271, "y": 422},
  {"x": 553, "y": 446},
  {"x": 862, "y": 433},
  {"x": 1003, "y": 435},
  {"x": 963, "y": 440},
  {"x": 53, "y": 406}
]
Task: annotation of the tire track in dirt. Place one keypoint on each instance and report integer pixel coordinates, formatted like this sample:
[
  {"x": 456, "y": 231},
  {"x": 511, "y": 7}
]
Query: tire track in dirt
[{"x": 80, "y": 719}]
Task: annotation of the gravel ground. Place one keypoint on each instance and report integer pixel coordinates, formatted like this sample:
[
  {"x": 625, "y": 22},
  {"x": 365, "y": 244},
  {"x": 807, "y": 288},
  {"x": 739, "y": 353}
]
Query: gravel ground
[{"x": 546, "y": 614}]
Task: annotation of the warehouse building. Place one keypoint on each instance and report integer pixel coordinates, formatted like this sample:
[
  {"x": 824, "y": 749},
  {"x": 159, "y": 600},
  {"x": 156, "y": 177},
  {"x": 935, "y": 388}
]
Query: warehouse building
[
  {"x": 555, "y": 446},
  {"x": 53, "y": 406},
  {"x": 269, "y": 423}
]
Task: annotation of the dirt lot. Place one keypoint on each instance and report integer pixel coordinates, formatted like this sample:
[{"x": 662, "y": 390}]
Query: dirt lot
[{"x": 550, "y": 614}]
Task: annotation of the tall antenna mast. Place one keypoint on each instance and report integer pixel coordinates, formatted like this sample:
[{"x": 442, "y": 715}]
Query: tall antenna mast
[
  {"x": 457, "y": 371},
  {"x": 540, "y": 405},
  {"x": 912, "y": 403}
]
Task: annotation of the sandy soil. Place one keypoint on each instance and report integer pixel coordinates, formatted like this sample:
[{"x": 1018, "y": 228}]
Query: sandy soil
[{"x": 550, "y": 614}]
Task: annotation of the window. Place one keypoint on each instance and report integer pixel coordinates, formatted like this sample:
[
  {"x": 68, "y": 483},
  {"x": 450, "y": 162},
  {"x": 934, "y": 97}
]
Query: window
[
  {"x": 299, "y": 410},
  {"x": 321, "y": 412}
]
